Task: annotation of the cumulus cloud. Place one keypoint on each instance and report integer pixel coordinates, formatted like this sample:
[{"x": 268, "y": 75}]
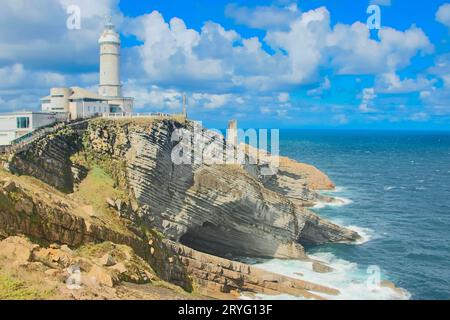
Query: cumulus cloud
[
  {"x": 443, "y": 14},
  {"x": 391, "y": 83},
  {"x": 40, "y": 38},
  {"x": 218, "y": 60},
  {"x": 219, "y": 67},
  {"x": 352, "y": 51}
]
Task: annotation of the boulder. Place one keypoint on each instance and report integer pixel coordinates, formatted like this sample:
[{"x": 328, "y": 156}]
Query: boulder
[
  {"x": 9, "y": 186},
  {"x": 321, "y": 268},
  {"x": 17, "y": 249},
  {"x": 66, "y": 249},
  {"x": 54, "y": 258},
  {"x": 107, "y": 260},
  {"x": 103, "y": 276}
]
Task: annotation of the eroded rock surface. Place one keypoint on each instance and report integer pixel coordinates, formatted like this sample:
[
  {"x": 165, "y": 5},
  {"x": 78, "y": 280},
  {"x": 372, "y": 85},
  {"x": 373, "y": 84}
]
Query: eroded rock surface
[
  {"x": 218, "y": 208},
  {"x": 214, "y": 207}
]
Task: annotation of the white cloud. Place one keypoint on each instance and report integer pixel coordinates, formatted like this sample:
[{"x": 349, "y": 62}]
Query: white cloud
[
  {"x": 283, "y": 97},
  {"x": 153, "y": 98},
  {"x": 219, "y": 67},
  {"x": 263, "y": 17},
  {"x": 352, "y": 51},
  {"x": 391, "y": 83},
  {"x": 437, "y": 100},
  {"x": 16, "y": 76},
  {"x": 220, "y": 60},
  {"x": 40, "y": 38},
  {"x": 211, "y": 101},
  {"x": 367, "y": 97},
  {"x": 443, "y": 14},
  {"x": 324, "y": 86}
]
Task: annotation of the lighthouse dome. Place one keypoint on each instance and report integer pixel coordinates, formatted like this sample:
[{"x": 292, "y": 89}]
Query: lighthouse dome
[{"x": 109, "y": 35}]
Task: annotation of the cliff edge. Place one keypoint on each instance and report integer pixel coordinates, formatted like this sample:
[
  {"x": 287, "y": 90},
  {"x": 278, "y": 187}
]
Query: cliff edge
[{"x": 116, "y": 180}]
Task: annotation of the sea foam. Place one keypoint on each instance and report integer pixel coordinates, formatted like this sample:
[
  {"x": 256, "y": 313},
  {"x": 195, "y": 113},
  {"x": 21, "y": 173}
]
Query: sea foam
[
  {"x": 366, "y": 234},
  {"x": 339, "y": 202},
  {"x": 349, "y": 278}
]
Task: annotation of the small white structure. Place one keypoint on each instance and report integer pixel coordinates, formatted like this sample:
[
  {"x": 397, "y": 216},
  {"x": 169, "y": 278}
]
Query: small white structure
[
  {"x": 17, "y": 124},
  {"x": 74, "y": 103}
]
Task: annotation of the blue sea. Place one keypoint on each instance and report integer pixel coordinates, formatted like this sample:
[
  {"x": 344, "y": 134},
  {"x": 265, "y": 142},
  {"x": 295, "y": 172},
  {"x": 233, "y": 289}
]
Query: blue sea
[{"x": 396, "y": 187}]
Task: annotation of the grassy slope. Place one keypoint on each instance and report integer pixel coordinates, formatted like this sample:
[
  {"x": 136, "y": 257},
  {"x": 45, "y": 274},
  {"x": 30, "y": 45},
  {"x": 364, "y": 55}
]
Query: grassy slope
[{"x": 93, "y": 191}]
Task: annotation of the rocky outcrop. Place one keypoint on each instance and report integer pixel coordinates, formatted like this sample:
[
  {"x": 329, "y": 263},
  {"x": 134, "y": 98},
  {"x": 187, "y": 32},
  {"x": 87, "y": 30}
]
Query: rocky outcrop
[
  {"x": 219, "y": 208},
  {"x": 43, "y": 214},
  {"x": 297, "y": 181},
  {"x": 215, "y": 276},
  {"x": 58, "y": 272},
  {"x": 48, "y": 159}
]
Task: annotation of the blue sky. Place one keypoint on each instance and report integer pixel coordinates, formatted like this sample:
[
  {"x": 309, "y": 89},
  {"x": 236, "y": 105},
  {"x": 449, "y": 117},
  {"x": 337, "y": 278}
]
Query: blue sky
[{"x": 280, "y": 64}]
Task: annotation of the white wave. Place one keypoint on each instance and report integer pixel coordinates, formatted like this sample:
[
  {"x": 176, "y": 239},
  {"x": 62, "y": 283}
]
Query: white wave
[
  {"x": 365, "y": 233},
  {"x": 337, "y": 202},
  {"x": 350, "y": 279},
  {"x": 337, "y": 189},
  {"x": 389, "y": 188}
]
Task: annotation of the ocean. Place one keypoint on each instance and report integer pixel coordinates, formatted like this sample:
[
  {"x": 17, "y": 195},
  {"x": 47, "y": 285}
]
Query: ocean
[{"x": 396, "y": 187}]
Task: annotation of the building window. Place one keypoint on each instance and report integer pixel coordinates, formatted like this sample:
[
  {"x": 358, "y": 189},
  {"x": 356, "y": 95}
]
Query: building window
[{"x": 23, "y": 122}]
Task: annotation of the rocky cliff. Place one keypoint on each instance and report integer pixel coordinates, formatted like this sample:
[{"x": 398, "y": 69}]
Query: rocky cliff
[
  {"x": 29, "y": 207},
  {"x": 223, "y": 209}
]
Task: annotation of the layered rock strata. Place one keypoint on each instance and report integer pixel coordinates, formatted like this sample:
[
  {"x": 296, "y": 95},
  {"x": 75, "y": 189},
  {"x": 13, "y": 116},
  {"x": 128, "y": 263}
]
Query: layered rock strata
[
  {"x": 212, "y": 206},
  {"x": 213, "y": 274}
]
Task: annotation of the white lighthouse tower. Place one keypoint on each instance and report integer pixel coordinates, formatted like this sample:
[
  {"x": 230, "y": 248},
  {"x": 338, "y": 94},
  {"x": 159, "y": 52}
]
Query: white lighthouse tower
[
  {"x": 75, "y": 102},
  {"x": 109, "y": 41}
]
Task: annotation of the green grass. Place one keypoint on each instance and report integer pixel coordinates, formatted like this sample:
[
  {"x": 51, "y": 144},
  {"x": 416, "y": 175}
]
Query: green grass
[
  {"x": 94, "y": 190},
  {"x": 97, "y": 186},
  {"x": 14, "y": 289},
  {"x": 95, "y": 249}
]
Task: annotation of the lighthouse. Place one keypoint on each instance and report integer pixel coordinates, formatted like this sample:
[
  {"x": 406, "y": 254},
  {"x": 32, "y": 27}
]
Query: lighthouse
[
  {"x": 109, "y": 42},
  {"x": 75, "y": 102}
]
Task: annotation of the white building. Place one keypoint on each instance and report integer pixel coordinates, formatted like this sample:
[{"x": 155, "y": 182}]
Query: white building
[
  {"x": 17, "y": 124},
  {"x": 74, "y": 103}
]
